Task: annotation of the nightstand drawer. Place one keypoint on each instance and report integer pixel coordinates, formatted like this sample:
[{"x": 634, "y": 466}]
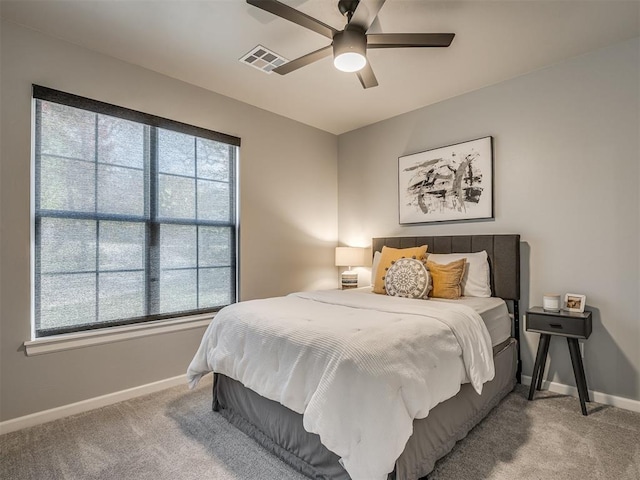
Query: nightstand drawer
[{"x": 559, "y": 324}]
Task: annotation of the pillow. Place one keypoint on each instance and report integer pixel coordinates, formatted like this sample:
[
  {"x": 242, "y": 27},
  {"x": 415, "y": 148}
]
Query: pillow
[
  {"x": 407, "y": 278},
  {"x": 476, "y": 281},
  {"x": 374, "y": 267},
  {"x": 388, "y": 256},
  {"x": 446, "y": 279}
]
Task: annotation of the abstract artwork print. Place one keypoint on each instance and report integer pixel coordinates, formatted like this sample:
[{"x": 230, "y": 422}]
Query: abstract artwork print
[{"x": 447, "y": 183}]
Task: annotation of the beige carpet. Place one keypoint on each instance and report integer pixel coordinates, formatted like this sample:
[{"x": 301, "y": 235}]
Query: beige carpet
[
  {"x": 547, "y": 438},
  {"x": 174, "y": 435}
]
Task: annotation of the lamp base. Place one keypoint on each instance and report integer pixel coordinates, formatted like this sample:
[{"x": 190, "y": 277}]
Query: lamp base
[{"x": 349, "y": 279}]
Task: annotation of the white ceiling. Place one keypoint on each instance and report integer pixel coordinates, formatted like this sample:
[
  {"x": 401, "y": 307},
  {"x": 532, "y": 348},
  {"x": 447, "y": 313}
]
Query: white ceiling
[{"x": 201, "y": 42}]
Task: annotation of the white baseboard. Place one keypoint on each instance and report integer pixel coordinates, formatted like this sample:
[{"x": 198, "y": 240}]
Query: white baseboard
[
  {"x": 89, "y": 404},
  {"x": 599, "y": 397}
]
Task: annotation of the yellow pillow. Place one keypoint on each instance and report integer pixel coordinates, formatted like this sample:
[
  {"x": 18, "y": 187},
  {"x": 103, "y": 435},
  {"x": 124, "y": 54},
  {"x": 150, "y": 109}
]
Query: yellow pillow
[
  {"x": 388, "y": 256},
  {"x": 447, "y": 279}
]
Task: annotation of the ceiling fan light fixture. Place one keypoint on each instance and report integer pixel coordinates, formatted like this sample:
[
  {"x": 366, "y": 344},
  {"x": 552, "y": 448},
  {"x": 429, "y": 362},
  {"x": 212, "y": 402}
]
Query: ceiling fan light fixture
[
  {"x": 349, "y": 50},
  {"x": 349, "y": 62}
]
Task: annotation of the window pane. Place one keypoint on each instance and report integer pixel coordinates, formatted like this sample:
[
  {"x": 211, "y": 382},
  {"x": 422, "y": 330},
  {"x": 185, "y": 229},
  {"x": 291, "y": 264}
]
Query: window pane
[
  {"x": 215, "y": 287},
  {"x": 213, "y": 160},
  {"x": 67, "y": 185},
  {"x": 67, "y": 300},
  {"x": 178, "y": 290},
  {"x": 178, "y": 246},
  {"x": 176, "y": 153},
  {"x": 213, "y": 201},
  {"x": 120, "y": 190},
  {"x": 122, "y": 246},
  {"x": 214, "y": 246},
  {"x": 120, "y": 142},
  {"x": 122, "y": 295},
  {"x": 67, "y": 131},
  {"x": 176, "y": 197},
  {"x": 68, "y": 245}
]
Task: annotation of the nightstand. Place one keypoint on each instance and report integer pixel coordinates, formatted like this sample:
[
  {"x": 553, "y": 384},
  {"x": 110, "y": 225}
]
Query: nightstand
[{"x": 571, "y": 325}]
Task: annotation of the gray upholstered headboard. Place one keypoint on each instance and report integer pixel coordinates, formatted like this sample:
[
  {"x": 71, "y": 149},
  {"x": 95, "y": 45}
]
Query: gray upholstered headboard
[
  {"x": 504, "y": 262},
  {"x": 503, "y": 252}
]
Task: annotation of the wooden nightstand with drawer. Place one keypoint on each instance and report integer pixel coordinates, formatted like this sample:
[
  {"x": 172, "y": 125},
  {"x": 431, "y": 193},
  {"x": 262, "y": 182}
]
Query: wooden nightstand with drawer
[{"x": 571, "y": 325}]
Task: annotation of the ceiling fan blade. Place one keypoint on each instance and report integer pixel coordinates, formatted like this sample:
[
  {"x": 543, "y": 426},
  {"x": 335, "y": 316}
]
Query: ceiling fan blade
[
  {"x": 304, "y": 60},
  {"x": 366, "y": 12},
  {"x": 288, "y": 13},
  {"x": 405, "y": 40},
  {"x": 367, "y": 77}
]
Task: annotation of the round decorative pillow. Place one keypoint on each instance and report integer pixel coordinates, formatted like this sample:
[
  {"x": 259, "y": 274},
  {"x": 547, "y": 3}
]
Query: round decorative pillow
[{"x": 407, "y": 277}]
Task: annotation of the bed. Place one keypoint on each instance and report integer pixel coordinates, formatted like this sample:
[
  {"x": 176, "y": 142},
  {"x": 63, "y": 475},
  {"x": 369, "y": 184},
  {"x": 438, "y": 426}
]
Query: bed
[{"x": 282, "y": 430}]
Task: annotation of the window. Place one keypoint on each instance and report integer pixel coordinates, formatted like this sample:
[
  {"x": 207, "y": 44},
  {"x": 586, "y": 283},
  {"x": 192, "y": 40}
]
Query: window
[{"x": 135, "y": 216}]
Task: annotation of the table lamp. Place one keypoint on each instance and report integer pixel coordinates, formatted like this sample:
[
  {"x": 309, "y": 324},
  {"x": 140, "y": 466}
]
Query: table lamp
[{"x": 351, "y": 257}]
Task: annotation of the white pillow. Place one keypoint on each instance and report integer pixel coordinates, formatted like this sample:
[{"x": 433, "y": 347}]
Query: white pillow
[
  {"x": 374, "y": 266},
  {"x": 476, "y": 281}
]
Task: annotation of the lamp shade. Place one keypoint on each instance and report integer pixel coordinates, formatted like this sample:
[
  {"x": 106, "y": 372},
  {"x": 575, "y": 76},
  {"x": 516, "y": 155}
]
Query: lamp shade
[
  {"x": 353, "y": 257},
  {"x": 349, "y": 50}
]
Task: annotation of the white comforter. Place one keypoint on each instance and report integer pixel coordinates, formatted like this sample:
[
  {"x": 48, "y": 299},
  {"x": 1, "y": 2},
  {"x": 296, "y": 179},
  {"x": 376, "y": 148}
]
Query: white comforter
[{"x": 359, "y": 367}]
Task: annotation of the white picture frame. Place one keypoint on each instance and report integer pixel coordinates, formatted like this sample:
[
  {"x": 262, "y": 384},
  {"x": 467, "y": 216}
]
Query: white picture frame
[{"x": 574, "y": 302}]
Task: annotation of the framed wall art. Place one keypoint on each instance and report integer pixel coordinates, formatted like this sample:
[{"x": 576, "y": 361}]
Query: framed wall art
[{"x": 447, "y": 183}]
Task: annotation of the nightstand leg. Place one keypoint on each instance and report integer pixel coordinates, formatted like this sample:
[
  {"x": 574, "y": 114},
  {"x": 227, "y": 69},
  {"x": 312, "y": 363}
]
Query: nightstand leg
[
  {"x": 578, "y": 372},
  {"x": 547, "y": 341},
  {"x": 543, "y": 346}
]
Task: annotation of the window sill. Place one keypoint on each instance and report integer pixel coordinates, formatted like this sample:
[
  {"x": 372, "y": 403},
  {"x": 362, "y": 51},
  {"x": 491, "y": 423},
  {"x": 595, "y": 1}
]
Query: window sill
[{"x": 69, "y": 341}]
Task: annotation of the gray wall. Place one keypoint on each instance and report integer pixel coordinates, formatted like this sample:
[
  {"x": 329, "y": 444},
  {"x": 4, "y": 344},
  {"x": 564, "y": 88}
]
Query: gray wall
[
  {"x": 567, "y": 160},
  {"x": 288, "y": 208}
]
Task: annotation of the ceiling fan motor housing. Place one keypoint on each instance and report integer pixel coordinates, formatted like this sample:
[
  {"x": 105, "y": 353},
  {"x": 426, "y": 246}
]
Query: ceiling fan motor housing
[{"x": 350, "y": 43}]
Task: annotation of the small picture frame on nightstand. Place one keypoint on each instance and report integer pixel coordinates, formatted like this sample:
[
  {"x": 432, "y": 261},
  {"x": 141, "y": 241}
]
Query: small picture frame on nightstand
[{"x": 574, "y": 302}]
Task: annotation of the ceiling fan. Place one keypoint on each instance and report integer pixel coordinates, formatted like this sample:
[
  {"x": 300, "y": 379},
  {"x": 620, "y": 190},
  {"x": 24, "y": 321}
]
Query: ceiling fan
[{"x": 349, "y": 46}]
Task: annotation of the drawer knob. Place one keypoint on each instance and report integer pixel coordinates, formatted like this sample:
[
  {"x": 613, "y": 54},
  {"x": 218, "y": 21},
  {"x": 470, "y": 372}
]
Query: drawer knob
[{"x": 555, "y": 325}]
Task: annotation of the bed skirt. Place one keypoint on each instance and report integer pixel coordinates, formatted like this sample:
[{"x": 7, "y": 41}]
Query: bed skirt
[{"x": 280, "y": 430}]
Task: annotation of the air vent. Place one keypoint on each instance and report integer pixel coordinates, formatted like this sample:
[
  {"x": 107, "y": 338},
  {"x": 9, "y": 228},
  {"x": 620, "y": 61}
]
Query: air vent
[{"x": 263, "y": 59}]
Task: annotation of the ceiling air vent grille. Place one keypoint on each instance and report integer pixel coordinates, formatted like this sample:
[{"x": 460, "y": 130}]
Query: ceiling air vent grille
[{"x": 263, "y": 59}]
